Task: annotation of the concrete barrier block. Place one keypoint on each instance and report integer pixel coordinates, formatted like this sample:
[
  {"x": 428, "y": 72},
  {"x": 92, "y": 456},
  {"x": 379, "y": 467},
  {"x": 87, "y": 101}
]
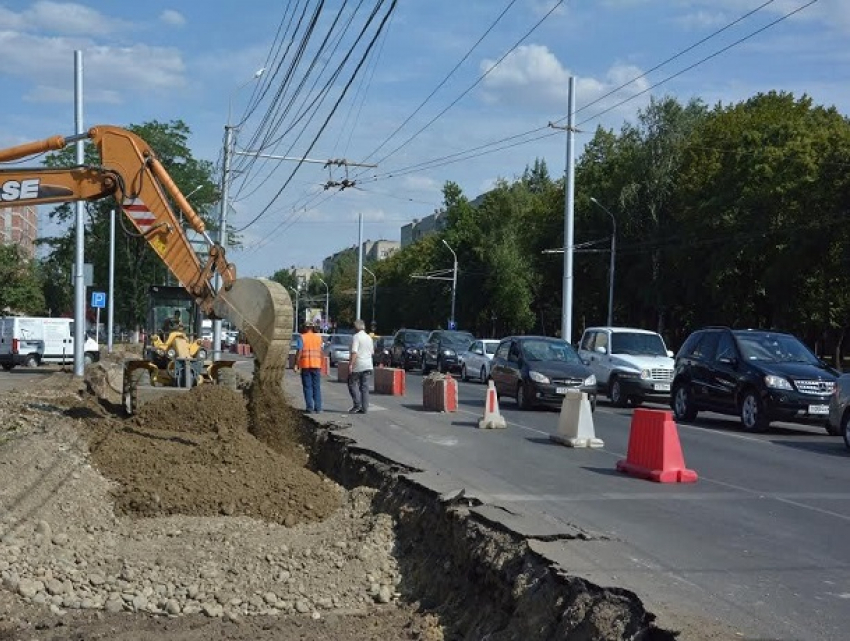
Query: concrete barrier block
[
  {"x": 390, "y": 380},
  {"x": 342, "y": 371},
  {"x": 439, "y": 393}
]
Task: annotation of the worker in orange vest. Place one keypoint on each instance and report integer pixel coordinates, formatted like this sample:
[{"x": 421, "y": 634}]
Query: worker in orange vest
[{"x": 308, "y": 359}]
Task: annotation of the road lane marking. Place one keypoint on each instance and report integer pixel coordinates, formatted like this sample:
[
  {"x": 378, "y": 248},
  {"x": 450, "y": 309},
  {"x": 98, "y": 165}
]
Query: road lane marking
[{"x": 677, "y": 496}]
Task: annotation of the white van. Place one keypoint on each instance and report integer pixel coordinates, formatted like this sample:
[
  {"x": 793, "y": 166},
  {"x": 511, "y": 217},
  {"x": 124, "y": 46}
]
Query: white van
[{"x": 31, "y": 341}]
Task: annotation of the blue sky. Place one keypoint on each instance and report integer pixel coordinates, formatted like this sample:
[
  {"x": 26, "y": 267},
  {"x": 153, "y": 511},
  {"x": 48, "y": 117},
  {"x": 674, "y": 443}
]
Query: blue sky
[{"x": 192, "y": 60}]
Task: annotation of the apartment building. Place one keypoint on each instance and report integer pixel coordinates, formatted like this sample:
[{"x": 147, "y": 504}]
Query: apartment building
[{"x": 19, "y": 226}]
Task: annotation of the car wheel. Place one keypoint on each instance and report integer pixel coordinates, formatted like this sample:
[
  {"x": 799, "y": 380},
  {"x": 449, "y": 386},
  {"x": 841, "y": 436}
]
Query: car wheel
[
  {"x": 483, "y": 374},
  {"x": 463, "y": 374},
  {"x": 615, "y": 393},
  {"x": 752, "y": 413},
  {"x": 8, "y": 366},
  {"x": 683, "y": 407},
  {"x": 522, "y": 398},
  {"x": 32, "y": 361},
  {"x": 845, "y": 429}
]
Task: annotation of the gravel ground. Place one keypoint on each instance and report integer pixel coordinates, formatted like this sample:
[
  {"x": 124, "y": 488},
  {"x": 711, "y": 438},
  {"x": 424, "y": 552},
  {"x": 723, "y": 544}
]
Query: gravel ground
[{"x": 180, "y": 523}]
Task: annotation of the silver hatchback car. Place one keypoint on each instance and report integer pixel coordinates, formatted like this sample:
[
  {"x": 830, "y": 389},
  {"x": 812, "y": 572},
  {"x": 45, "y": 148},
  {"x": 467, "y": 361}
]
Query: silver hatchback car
[{"x": 839, "y": 409}]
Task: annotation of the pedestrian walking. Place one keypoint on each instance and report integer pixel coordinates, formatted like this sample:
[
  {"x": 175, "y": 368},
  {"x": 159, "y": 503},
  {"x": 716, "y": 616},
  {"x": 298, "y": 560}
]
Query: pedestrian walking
[
  {"x": 360, "y": 373},
  {"x": 308, "y": 359}
]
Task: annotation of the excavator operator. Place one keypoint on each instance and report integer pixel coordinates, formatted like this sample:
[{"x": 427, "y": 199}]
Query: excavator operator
[{"x": 173, "y": 324}]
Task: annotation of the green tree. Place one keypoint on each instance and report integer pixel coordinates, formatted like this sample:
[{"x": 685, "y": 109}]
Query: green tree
[{"x": 20, "y": 283}]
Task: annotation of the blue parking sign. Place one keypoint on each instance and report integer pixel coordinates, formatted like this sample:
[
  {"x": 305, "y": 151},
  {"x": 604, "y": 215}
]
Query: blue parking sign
[{"x": 98, "y": 299}]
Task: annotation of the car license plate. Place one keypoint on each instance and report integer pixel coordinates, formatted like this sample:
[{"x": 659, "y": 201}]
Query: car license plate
[
  {"x": 661, "y": 387},
  {"x": 819, "y": 409},
  {"x": 561, "y": 390}
]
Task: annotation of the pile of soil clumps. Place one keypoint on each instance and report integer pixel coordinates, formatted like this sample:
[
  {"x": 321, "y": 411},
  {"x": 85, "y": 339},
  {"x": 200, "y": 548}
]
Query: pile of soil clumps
[{"x": 192, "y": 453}]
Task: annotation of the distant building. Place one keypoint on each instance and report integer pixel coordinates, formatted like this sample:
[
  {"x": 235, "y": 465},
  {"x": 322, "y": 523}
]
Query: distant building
[
  {"x": 373, "y": 251},
  {"x": 302, "y": 275},
  {"x": 19, "y": 226},
  {"x": 412, "y": 232}
]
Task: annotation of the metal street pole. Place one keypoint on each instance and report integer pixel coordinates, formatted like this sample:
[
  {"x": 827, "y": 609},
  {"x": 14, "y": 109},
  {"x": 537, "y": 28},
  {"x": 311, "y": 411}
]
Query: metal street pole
[
  {"x": 110, "y": 315},
  {"x": 613, "y": 260},
  {"x": 452, "y": 323},
  {"x": 374, "y": 289},
  {"x": 569, "y": 216},
  {"x": 225, "y": 197},
  {"x": 359, "y": 265},
  {"x": 79, "y": 251},
  {"x": 297, "y": 311},
  {"x": 327, "y": 303}
]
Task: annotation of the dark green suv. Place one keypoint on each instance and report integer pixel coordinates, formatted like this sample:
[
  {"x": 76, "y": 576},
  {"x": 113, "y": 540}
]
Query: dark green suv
[{"x": 758, "y": 375}]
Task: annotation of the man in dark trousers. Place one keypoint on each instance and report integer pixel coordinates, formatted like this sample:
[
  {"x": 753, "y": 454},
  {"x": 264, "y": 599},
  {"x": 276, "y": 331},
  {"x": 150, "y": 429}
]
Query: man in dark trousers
[{"x": 308, "y": 359}]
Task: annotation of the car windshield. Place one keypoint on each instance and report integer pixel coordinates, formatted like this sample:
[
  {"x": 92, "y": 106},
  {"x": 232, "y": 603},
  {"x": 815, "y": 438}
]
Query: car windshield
[
  {"x": 774, "y": 348},
  {"x": 552, "y": 350},
  {"x": 637, "y": 343},
  {"x": 458, "y": 340},
  {"x": 340, "y": 340},
  {"x": 415, "y": 338}
]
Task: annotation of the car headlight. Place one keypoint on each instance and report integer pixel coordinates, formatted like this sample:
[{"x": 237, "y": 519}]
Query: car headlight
[
  {"x": 448, "y": 352},
  {"x": 171, "y": 353},
  {"x": 645, "y": 374},
  {"x": 777, "y": 382},
  {"x": 412, "y": 350},
  {"x": 201, "y": 354},
  {"x": 590, "y": 380},
  {"x": 537, "y": 377}
]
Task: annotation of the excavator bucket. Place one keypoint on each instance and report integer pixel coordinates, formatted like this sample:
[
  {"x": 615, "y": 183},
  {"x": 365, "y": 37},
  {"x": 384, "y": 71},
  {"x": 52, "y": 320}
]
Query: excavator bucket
[{"x": 261, "y": 309}]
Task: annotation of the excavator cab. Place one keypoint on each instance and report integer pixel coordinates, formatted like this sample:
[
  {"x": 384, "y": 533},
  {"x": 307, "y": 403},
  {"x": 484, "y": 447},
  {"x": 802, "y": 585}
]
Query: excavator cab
[{"x": 173, "y": 355}]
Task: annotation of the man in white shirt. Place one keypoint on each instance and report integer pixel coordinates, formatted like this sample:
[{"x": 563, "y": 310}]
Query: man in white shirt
[{"x": 360, "y": 372}]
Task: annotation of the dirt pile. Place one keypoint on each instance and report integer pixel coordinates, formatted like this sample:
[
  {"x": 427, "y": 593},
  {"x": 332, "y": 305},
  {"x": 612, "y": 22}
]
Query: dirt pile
[{"x": 192, "y": 454}]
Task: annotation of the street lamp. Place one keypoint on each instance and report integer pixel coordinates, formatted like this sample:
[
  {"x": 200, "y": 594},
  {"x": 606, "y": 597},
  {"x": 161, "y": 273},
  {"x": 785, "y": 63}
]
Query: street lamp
[
  {"x": 452, "y": 324},
  {"x": 297, "y": 310},
  {"x": 327, "y": 302},
  {"x": 613, "y": 259},
  {"x": 225, "y": 197},
  {"x": 374, "y": 289}
]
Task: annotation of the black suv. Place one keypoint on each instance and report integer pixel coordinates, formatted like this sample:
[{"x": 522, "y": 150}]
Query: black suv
[
  {"x": 443, "y": 349},
  {"x": 406, "y": 349},
  {"x": 758, "y": 375}
]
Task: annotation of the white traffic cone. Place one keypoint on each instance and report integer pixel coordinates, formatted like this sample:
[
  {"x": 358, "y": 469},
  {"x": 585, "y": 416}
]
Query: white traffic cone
[
  {"x": 575, "y": 424},
  {"x": 492, "y": 418}
]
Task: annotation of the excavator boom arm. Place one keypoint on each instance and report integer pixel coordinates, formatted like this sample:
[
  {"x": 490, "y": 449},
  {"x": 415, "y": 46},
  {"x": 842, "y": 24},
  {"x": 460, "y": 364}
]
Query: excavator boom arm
[{"x": 131, "y": 173}]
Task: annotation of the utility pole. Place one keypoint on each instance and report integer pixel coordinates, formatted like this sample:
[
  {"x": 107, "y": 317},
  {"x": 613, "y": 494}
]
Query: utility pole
[
  {"x": 225, "y": 199},
  {"x": 569, "y": 215},
  {"x": 79, "y": 251},
  {"x": 327, "y": 302},
  {"x": 613, "y": 260},
  {"x": 359, "y": 264},
  {"x": 452, "y": 323},
  {"x": 374, "y": 289}
]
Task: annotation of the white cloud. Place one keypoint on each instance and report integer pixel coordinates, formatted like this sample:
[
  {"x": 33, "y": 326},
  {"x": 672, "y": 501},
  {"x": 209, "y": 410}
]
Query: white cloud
[
  {"x": 66, "y": 18},
  {"x": 533, "y": 77},
  {"x": 541, "y": 7},
  {"x": 420, "y": 183},
  {"x": 172, "y": 17},
  {"x": 50, "y": 60},
  {"x": 702, "y": 20},
  {"x": 833, "y": 13}
]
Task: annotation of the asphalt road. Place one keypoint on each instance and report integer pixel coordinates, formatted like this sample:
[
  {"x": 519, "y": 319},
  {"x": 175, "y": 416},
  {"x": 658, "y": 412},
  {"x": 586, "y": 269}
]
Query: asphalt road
[{"x": 760, "y": 542}]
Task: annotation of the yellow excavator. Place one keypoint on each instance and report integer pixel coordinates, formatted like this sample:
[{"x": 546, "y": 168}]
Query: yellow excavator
[{"x": 130, "y": 172}]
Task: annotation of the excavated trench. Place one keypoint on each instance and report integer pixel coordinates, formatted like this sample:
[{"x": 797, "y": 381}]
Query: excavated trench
[{"x": 483, "y": 580}]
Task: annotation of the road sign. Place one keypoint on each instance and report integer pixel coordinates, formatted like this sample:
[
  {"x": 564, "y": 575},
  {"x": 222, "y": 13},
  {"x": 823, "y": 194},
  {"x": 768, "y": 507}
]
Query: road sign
[{"x": 98, "y": 300}]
